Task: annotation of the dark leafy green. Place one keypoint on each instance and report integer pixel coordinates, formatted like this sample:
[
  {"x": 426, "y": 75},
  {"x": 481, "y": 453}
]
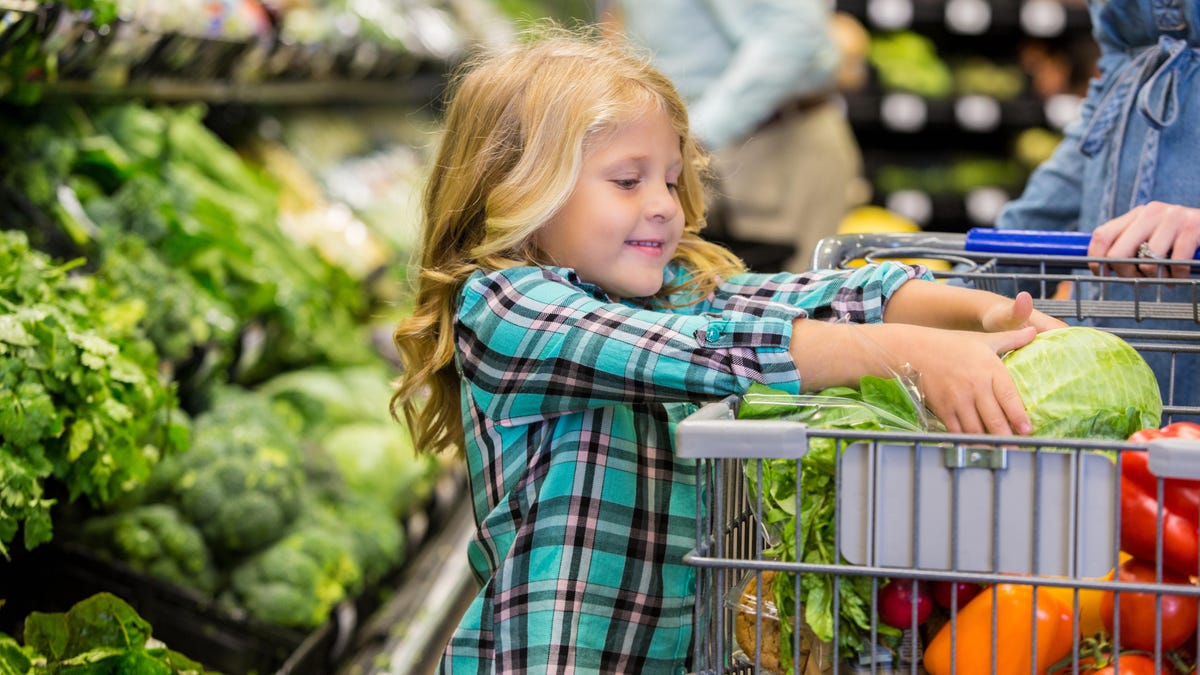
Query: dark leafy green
[
  {"x": 878, "y": 404},
  {"x": 100, "y": 635},
  {"x": 81, "y": 400}
]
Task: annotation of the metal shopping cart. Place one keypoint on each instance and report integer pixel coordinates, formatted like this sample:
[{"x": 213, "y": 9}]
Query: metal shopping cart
[{"x": 912, "y": 508}]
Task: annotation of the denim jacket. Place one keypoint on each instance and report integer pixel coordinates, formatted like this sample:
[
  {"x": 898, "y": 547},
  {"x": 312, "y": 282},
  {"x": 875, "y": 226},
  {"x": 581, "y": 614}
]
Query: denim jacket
[{"x": 1137, "y": 140}]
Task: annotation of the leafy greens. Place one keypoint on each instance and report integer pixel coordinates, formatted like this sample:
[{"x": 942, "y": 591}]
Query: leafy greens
[{"x": 879, "y": 404}]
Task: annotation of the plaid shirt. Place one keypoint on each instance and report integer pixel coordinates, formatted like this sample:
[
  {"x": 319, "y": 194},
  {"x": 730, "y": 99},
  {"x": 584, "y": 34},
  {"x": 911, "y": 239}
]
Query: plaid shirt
[{"x": 584, "y": 512}]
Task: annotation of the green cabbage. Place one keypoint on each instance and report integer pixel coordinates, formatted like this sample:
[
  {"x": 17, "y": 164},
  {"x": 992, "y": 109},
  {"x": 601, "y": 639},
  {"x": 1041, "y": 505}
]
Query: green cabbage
[{"x": 1082, "y": 382}]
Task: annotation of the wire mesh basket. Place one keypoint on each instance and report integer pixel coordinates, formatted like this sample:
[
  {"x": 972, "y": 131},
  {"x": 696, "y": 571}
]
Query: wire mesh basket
[{"x": 1025, "y": 519}]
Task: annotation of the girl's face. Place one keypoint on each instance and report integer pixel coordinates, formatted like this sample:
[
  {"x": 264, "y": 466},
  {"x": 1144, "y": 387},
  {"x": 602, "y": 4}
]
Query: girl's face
[{"x": 621, "y": 224}]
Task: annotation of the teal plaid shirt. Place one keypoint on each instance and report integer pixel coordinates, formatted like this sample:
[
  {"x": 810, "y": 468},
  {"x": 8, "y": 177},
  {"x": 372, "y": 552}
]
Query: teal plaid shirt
[{"x": 584, "y": 512}]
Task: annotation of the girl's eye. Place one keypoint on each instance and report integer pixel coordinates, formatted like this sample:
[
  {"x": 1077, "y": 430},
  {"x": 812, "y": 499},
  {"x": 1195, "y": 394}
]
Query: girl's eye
[
  {"x": 673, "y": 186},
  {"x": 626, "y": 183}
]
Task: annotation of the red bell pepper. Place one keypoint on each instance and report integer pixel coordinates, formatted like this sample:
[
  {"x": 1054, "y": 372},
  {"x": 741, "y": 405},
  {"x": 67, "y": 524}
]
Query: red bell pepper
[{"x": 1180, "y": 506}]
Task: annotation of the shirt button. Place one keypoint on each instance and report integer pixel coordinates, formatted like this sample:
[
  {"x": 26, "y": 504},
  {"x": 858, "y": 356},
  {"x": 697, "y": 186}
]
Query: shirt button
[{"x": 713, "y": 334}]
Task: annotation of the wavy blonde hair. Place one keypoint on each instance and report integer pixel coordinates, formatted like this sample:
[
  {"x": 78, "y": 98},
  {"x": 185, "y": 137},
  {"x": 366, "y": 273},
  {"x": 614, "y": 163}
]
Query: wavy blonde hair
[{"x": 516, "y": 130}]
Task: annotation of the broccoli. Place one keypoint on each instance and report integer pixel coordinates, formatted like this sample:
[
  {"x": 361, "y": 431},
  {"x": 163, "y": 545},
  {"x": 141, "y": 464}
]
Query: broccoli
[
  {"x": 241, "y": 482},
  {"x": 241, "y": 503},
  {"x": 376, "y": 537},
  {"x": 154, "y": 538},
  {"x": 298, "y": 580}
]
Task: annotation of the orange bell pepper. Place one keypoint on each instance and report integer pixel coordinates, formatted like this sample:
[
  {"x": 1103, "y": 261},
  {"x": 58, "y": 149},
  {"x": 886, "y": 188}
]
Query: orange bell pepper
[
  {"x": 1014, "y": 633},
  {"x": 1089, "y": 617}
]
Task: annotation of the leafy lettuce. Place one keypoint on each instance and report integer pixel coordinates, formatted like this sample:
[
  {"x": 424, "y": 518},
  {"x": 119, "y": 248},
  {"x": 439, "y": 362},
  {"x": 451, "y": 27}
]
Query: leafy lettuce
[{"x": 1080, "y": 382}]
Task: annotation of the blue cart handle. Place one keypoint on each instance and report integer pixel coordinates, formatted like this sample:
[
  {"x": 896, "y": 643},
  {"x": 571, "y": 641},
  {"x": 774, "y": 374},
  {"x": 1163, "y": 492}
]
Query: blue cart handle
[{"x": 1030, "y": 242}]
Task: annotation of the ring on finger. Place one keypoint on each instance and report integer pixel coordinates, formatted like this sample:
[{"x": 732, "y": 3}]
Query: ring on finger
[{"x": 1144, "y": 251}]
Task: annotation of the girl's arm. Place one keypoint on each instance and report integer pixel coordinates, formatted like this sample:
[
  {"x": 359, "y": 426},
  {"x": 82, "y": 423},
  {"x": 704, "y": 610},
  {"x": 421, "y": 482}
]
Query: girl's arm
[
  {"x": 532, "y": 344},
  {"x": 959, "y": 372},
  {"x": 949, "y": 336},
  {"x": 937, "y": 305}
]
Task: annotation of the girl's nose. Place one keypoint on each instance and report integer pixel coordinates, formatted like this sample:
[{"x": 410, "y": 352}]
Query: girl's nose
[{"x": 664, "y": 205}]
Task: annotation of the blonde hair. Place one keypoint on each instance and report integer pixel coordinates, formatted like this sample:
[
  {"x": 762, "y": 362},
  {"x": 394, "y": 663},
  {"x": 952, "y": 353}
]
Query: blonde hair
[{"x": 513, "y": 142}]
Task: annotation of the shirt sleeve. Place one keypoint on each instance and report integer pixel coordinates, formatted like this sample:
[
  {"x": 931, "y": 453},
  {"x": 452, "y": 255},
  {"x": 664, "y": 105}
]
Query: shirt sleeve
[
  {"x": 857, "y": 295},
  {"x": 784, "y": 50},
  {"x": 532, "y": 345}
]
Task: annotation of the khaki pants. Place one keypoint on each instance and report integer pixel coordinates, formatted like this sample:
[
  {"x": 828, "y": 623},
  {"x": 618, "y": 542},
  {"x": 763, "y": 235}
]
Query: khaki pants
[{"x": 792, "y": 181}]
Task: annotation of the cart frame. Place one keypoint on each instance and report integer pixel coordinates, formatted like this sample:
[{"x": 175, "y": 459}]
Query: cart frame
[{"x": 732, "y": 543}]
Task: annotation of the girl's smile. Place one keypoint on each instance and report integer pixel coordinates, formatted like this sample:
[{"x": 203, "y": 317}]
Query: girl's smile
[{"x": 648, "y": 247}]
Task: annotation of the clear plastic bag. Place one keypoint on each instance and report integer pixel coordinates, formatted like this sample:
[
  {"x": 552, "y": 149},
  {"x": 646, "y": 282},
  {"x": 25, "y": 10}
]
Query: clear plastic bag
[{"x": 756, "y": 629}]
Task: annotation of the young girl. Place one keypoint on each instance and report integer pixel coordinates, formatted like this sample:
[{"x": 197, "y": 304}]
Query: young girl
[{"x": 569, "y": 315}]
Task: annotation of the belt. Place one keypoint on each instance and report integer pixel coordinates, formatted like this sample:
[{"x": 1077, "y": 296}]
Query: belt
[{"x": 797, "y": 106}]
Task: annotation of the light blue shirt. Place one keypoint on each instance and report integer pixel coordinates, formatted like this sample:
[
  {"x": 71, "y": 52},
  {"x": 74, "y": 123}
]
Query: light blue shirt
[{"x": 736, "y": 61}]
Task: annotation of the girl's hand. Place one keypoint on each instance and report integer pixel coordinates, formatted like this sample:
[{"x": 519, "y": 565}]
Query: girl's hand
[
  {"x": 960, "y": 374},
  {"x": 1170, "y": 232},
  {"x": 1017, "y": 313},
  {"x": 965, "y": 383}
]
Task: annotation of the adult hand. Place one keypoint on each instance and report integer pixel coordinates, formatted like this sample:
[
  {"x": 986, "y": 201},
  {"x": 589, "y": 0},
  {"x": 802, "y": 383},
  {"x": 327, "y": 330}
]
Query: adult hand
[{"x": 1169, "y": 231}]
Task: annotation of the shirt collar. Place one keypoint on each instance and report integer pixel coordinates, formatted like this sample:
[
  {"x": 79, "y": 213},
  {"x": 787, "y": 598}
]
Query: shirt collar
[{"x": 672, "y": 273}]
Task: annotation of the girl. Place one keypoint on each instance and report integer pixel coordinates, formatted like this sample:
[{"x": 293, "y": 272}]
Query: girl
[{"x": 569, "y": 314}]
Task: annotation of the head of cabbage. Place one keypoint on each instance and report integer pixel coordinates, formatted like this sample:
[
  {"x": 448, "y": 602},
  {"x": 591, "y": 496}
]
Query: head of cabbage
[{"x": 1081, "y": 382}]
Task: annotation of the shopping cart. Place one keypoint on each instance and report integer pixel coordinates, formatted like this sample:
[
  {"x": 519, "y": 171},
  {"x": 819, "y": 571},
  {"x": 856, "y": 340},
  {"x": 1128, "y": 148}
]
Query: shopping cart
[{"x": 1038, "y": 514}]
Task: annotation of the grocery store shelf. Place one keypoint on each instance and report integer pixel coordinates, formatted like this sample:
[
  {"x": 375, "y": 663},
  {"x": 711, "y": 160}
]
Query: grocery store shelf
[{"x": 414, "y": 90}]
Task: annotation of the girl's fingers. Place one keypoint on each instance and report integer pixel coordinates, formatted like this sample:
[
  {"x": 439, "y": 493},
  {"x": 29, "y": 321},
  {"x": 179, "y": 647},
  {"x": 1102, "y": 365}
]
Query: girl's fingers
[
  {"x": 950, "y": 421},
  {"x": 991, "y": 416},
  {"x": 1012, "y": 408},
  {"x": 1006, "y": 341},
  {"x": 1022, "y": 308}
]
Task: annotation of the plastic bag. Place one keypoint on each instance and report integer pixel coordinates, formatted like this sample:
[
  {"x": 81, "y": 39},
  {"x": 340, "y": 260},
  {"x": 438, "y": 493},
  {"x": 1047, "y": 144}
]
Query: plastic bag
[{"x": 756, "y": 623}]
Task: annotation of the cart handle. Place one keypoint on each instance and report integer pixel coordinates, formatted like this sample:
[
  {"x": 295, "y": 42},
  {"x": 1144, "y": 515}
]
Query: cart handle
[
  {"x": 1174, "y": 458},
  {"x": 1032, "y": 242}
]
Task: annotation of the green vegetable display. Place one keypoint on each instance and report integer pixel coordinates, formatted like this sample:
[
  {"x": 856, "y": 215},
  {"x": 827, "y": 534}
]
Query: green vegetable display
[
  {"x": 82, "y": 179},
  {"x": 298, "y": 580},
  {"x": 80, "y": 396},
  {"x": 242, "y": 481},
  {"x": 346, "y": 410},
  {"x": 154, "y": 538},
  {"x": 908, "y": 61}
]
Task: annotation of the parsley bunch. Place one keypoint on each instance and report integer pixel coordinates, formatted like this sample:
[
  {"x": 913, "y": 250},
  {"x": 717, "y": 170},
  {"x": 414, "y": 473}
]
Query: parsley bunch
[{"x": 81, "y": 401}]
